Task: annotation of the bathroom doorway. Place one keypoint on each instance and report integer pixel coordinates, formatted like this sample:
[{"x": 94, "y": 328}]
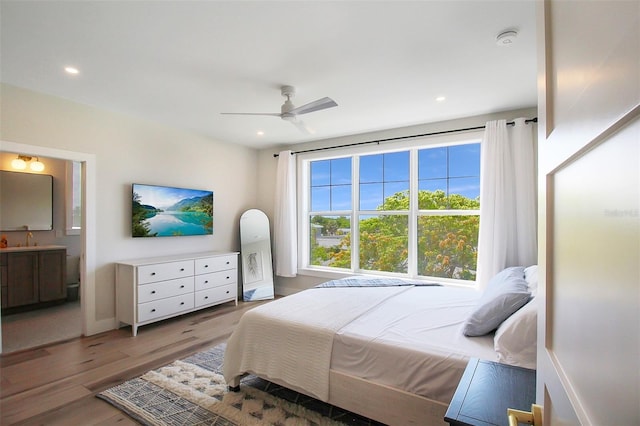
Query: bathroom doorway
[{"x": 74, "y": 317}]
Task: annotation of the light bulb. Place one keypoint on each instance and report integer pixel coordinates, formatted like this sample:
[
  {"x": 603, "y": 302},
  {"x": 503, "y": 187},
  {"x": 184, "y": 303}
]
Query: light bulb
[
  {"x": 37, "y": 166},
  {"x": 18, "y": 163}
]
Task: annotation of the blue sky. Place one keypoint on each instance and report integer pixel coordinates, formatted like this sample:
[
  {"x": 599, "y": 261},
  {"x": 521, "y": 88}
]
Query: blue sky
[
  {"x": 164, "y": 196},
  {"x": 382, "y": 175}
]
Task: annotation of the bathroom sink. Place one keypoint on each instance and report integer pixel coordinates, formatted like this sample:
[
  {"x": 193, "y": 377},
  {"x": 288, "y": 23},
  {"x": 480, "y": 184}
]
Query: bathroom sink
[{"x": 31, "y": 248}]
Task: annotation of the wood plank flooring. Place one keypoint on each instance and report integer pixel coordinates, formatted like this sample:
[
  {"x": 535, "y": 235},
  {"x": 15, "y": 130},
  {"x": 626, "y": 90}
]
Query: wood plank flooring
[{"x": 56, "y": 384}]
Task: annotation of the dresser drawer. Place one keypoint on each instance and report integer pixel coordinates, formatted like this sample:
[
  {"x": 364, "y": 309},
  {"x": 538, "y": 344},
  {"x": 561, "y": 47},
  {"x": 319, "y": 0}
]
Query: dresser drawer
[
  {"x": 164, "y": 307},
  {"x": 164, "y": 271},
  {"x": 215, "y": 279},
  {"x": 216, "y": 294},
  {"x": 213, "y": 264},
  {"x": 164, "y": 289}
]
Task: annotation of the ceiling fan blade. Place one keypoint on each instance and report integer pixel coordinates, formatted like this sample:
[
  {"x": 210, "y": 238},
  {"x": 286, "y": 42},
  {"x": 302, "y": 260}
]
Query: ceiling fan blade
[
  {"x": 318, "y": 105},
  {"x": 302, "y": 127},
  {"x": 273, "y": 114}
]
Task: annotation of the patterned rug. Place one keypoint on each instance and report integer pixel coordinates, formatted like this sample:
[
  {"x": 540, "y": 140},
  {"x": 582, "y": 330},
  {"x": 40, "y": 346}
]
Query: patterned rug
[{"x": 192, "y": 391}]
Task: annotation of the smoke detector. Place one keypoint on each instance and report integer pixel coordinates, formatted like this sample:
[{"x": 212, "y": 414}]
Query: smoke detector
[{"x": 506, "y": 38}]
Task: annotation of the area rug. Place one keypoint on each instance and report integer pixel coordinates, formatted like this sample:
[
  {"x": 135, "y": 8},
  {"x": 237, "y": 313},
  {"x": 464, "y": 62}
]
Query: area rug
[{"x": 192, "y": 391}]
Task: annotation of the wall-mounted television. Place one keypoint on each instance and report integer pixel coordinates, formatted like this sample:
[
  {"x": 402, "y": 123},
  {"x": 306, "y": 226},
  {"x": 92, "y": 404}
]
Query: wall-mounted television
[{"x": 165, "y": 211}]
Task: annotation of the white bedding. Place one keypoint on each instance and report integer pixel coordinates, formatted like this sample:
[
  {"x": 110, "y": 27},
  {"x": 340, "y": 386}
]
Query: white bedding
[
  {"x": 414, "y": 342},
  {"x": 290, "y": 339},
  {"x": 406, "y": 337}
]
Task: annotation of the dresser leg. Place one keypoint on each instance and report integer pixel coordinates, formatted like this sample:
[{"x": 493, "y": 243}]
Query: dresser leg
[{"x": 134, "y": 330}]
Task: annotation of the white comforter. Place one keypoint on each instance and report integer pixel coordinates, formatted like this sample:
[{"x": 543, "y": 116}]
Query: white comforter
[
  {"x": 290, "y": 340},
  {"x": 414, "y": 342}
]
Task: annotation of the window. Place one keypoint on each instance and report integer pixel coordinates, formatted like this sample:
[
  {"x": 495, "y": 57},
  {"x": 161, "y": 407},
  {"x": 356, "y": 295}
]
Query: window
[
  {"x": 411, "y": 212},
  {"x": 74, "y": 198}
]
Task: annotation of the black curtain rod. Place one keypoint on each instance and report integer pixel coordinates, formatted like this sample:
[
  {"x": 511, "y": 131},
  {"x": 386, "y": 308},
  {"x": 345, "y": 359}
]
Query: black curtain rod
[{"x": 467, "y": 129}]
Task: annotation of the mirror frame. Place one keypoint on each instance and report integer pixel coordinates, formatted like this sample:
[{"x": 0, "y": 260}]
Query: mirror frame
[
  {"x": 257, "y": 268},
  {"x": 26, "y": 201}
]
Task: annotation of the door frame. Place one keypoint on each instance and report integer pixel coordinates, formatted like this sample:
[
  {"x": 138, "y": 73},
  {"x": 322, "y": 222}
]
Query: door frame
[{"x": 88, "y": 235}]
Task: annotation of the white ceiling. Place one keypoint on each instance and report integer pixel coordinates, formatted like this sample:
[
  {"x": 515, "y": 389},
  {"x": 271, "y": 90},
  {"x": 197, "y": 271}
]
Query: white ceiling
[{"x": 182, "y": 63}]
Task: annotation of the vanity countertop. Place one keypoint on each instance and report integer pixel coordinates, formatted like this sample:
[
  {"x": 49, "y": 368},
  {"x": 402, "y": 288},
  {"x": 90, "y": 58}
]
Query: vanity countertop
[{"x": 31, "y": 248}]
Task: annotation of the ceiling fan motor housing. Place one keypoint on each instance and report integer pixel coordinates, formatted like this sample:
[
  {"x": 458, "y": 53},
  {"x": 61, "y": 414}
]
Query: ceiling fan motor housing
[{"x": 288, "y": 92}]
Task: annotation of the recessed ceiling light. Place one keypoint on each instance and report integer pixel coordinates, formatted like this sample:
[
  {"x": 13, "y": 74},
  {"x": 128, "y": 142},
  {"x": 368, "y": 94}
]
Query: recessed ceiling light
[
  {"x": 441, "y": 99},
  {"x": 71, "y": 70},
  {"x": 260, "y": 133}
]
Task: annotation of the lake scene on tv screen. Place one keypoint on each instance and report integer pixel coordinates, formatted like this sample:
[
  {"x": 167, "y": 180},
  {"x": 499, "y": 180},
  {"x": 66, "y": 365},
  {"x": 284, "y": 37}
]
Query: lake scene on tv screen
[{"x": 162, "y": 211}]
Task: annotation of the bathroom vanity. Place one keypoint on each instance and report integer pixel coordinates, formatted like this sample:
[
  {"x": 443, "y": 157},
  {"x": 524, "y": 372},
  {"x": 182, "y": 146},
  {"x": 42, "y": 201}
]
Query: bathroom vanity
[{"x": 32, "y": 277}]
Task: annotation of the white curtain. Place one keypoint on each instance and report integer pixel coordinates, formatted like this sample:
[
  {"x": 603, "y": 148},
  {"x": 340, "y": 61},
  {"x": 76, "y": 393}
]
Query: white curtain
[
  {"x": 285, "y": 241},
  {"x": 508, "y": 228}
]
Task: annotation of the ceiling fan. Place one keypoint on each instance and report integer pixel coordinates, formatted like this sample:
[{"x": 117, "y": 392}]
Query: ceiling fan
[{"x": 290, "y": 112}]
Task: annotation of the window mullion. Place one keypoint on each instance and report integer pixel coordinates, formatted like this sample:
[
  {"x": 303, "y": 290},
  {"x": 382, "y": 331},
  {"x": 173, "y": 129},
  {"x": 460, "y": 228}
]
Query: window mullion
[
  {"x": 355, "y": 213},
  {"x": 412, "y": 268}
]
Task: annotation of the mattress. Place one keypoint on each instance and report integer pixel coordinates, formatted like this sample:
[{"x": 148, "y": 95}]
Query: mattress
[
  {"x": 413, "y": 342},
  {"x": 289, "y": 340},
  {"x": 406, "y": 337}
]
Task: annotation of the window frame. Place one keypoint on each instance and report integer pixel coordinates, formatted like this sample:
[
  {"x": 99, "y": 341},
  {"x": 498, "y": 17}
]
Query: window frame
[
  {"x": 303, "y": 161},
  {"x": 70, "y": 196}
]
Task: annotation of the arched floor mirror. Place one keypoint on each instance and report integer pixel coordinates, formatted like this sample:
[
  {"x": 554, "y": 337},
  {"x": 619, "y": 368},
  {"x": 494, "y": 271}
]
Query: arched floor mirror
[{"x": 255, "y": 247}]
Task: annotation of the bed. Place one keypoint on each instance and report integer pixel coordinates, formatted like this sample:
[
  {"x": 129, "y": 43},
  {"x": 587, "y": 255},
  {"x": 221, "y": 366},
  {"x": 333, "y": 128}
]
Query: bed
[{"x": 392, "y": 350}]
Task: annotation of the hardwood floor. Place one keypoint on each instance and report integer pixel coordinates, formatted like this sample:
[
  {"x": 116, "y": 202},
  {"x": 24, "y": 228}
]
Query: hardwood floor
[{"x": 56, "y": 384}]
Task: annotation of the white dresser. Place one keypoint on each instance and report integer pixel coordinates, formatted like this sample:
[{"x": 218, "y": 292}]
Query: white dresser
[{"x": 153, "y": 289}]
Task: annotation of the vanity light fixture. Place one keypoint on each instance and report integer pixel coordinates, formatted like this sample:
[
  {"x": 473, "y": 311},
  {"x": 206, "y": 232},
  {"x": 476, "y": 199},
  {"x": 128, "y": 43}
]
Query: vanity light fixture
[
  {"x": 20, "y": 163},
  {"x": 37, "y": 166}
]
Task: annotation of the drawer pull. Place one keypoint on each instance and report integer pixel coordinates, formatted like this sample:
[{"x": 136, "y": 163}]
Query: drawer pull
[
  {"x": 153, "y": 310},
  {"x": 206, "y": 297},
  {"x": 181, "y": 303},
  {"x": 228, "y": 262},
  {"x": 206, "y": 281},
  {"x": 206, "y": 266},
  {"x": 182, "y": 286},
  {"x": 227, "y": 291},
  {"x": 153, "y": 273},
  {"x": 181, "y": 269},
  {"x": 228, "y": 277},
  {"x": 153, "y": 292}
]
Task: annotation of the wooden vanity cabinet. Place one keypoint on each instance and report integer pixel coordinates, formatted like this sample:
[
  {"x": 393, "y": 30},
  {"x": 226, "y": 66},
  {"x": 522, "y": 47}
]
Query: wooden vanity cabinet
[
  {"x": 32, "y": 277},
  {"x": 52, "y": 272}
]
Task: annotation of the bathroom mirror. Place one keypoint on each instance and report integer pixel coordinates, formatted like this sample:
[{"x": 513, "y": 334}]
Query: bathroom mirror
[
  {"x": 26, "y": 201},
  {"x": 255, "y": 247}
]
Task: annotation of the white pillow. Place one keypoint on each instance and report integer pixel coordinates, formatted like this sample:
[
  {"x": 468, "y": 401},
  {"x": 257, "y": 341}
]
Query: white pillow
[
  {"x": 506, "y": 292},
  {"x": 531, "y": 277},
  {"x": 516, "y": 339}
]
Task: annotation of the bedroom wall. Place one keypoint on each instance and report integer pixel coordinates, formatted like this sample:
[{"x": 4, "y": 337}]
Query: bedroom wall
[
  {"x": 268, "y": 165},
  {"x": 130, "y": 150}
]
